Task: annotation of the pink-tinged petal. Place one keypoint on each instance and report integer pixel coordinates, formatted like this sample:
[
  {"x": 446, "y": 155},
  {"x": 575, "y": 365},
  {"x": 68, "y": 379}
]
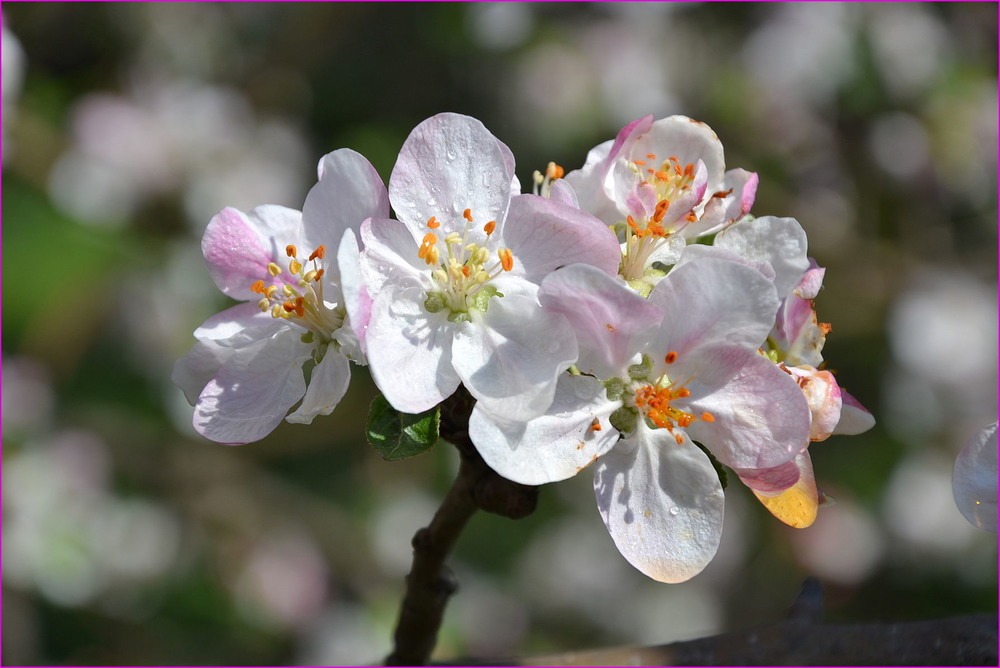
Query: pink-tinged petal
[
  {"x": 357, "y": 301},
  {"x": 760, "y": 417},
  {"x": 410, "y": 350},
  {"x": 798, "y": 333},
  {"x": 511, "y": 358},
  {"x": 253, "y": 390},
  {"x": 695, "y": 252},
  {"x": 854, "y": 418},
  {"x": 508, "y": 161},
  {"x": 448, "y": 164},
  {"x": 823, "y": 395},
  {"x": 563, "y": 192},
  {"x": 662, "y": 503},
  {"x": 974, "y": 482},
  {"x": 192, "y": 372},
  {"x": 797, "y": 505},
  {"x": 544, "y": 235},
  {"x": 327, "y": 386},
  {"x": 572, "y": 434},
  {"x": 626, "y": 139},
  {"x": 588, "y": 184},
  {"x": 779, "y": 241},
  {"x": 228, "y": 323},
  {"x": 389, "y": 255},
  {"x": 349, "y": 190},
  {"x": 238, "y": 246},
  {"x": 686, "y": 139},
  {"x": 726, "y": 205},
  {"x": 612, "y": 323},
  {"x": 689, "y": 200},
  {"x": 773, "y": 480},
  {"x": 811, "y": 281},
  {"x": 716, "y": 302}
]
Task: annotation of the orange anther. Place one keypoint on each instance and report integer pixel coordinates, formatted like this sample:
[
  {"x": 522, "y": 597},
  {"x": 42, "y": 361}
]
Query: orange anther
[
  {"x": 708, "y": 417},
  {"x": 430, "y": 239},
  {"x": 691, "y": 218},
  {"x": 663, "y": 176},
  {"x": 673, "y": 158},
  {"x": 640, "y": 163},
  {"x": 258, "y": 287},
  {"x": 466, "y": 271},
  {"x": 490, "y": 226},
  {"x": 291, "y": 250},
  {"x": 689, "y": 170},
  {"x": 678, "y": 170},
  {"x": 318, "y": 253},
  {"x": 595, "y": 425},
  {"x": 671, "y": 357},
  {"x": 506, "y": 259},
  {"x": 319, "y": 274},
  {"x": 650, "y": 170},
  {"x": 679, "y": 439},
  {"x": 467, "y": 214},
  {"x": 433, "y": 223},
  {"x": 651, "y": 156},
  {"x": 288, "y": 306}
]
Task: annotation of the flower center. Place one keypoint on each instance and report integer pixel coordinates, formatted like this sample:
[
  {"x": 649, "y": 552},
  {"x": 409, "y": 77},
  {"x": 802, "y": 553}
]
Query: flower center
[
  {"x": 301, "y": 302},
  {"x": 666, "y": 181},
  {"x": 463, "y": 270},
  {"x": 655, "y": 401}
]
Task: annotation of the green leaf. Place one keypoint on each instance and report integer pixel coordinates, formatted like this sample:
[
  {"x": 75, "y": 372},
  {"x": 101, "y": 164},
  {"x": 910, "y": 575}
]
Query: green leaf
[{"x": 396, "y": 435}]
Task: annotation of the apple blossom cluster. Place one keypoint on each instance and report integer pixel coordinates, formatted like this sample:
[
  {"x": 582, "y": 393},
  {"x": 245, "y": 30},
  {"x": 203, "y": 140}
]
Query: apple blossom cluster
[{"x": 631, "y": 317}]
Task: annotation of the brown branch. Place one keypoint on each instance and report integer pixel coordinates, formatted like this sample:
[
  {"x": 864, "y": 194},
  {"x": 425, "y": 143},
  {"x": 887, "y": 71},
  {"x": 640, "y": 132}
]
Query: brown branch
[
  {"x": 801, "y": 640},
  {"x": 430, "y": 584}
]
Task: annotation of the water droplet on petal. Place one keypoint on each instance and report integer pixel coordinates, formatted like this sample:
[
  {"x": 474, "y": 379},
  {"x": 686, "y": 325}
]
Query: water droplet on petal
[
  {"x": 675, "y": 510},
  {"x": 432, "y": 202}
]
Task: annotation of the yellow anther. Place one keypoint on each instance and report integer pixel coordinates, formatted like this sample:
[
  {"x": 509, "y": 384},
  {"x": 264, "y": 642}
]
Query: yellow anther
[
  {"x": 277, "y": 312},
  {"x": 310, "y": 276},
  {"x": 554, "y": 171},
  {"x": 273, "y": 269},
  {"x": 263, "y": 303},
  {"x": 269, "y": 292},
  {"x": 295, "y": 266},
  {"x": 287, "y": 289}
]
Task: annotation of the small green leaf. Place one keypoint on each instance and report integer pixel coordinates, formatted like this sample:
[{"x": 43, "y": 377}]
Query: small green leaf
[{"x": 396, "y": 435}]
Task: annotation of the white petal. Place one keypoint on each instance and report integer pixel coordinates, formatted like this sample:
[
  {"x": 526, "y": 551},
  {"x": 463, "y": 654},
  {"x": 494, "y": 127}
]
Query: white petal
[
  {"x": 357, "y": 301},
  {"x": 712, "y": 302},
  {"x": 450, "y": 163},
  {"x": 974, "y": 482},
  {"x": 253, "y": 390},
  {"x": 555, "y": 446},
  {"x": 349, "y": 191},
  {"x": 662, "y": 503},
  {"x": 511, "y": 359},
  {"x": 390, "y": 254},
  {"x": 779, "y": 241},
  {"x": 327, "y": 386},
  {"x": 410, "y": 350}
]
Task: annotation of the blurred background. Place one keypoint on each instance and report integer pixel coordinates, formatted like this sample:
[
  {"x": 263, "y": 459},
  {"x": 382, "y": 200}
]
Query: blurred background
[{"x": 129, "y": 539}]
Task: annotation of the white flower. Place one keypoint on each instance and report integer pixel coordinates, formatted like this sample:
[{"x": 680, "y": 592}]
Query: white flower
[
  {"x": 974, "y": 482},
  {"x": 246, "y": 371},
  {"x": 454, "y": 281}
]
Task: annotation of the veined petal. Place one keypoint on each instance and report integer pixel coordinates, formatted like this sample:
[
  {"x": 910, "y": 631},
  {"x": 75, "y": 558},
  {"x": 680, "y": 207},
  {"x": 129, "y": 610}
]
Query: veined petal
[
  {"x": 854, "y": 418},
  {"x": 727, "y": 205},
  {"x": 450, "y": 163},
  {"x": 713, "y": 302},
  {"x": 327, "y": 386},
  {"x": 544, "y": 235},
  {"x": 253, "y": 390},
  {"x": 349, "y": 190},
  {"x": 192, "y": 372},
  {"x": 238, "y": 246},
  {"x": 389, "y": 255},
  {"x": 511, "y": 359},
  {"x": 588, "y": 184},
  {"x": 761, "y": 418},
  {"x": 612, "y": 323},
  {"x": 662, "y": 503},
  {"x": 410, "y": 350},
  {"x": 572, "y": 434},
  {"x": 779, "y": 241},
  {"x": 226, "y": 324},
  {"x": 688, "y": 140}
]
